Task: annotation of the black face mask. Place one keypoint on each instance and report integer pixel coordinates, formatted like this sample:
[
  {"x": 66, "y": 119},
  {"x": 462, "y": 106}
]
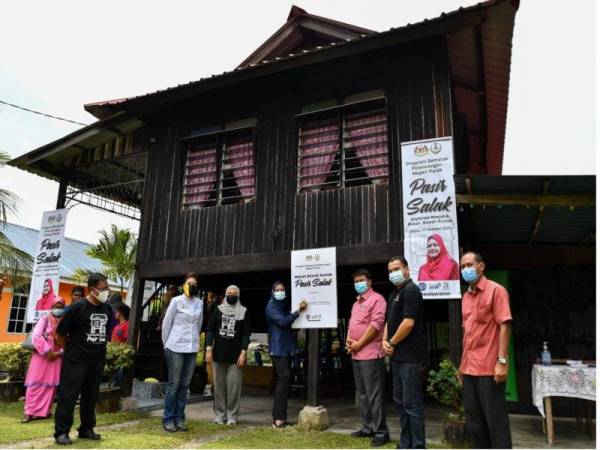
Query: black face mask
[
  {"x": 231, "y": 299},
  {"x": 193, "y": 290}
]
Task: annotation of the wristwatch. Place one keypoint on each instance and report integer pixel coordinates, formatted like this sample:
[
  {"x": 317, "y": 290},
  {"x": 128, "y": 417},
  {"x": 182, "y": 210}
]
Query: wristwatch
[{"x": 501, "y": 360}]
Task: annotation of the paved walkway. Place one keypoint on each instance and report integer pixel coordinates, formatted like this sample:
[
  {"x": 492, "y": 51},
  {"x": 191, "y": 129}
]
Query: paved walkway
[{"x": 526, "y": 430}]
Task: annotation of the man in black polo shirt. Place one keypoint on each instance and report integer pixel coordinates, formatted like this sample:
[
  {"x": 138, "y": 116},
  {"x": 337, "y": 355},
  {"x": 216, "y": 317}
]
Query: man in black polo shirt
[
  {"x": 404, "y": 341},
  {"x": 86, "y": 329}
]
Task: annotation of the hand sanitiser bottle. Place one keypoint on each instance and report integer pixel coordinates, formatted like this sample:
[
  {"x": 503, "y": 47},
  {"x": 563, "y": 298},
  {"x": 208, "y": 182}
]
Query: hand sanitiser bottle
[{"x": 546, "y": 357}]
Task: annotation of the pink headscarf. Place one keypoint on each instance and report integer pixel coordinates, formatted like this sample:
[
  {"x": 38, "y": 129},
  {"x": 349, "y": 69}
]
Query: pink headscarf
[
  {"x": 442, "y": 267},
  {"x": 46, "y": 301}
]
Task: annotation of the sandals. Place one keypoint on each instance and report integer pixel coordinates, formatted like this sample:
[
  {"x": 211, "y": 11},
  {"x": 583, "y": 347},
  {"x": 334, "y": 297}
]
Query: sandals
[{"x": 26, "y": 419}]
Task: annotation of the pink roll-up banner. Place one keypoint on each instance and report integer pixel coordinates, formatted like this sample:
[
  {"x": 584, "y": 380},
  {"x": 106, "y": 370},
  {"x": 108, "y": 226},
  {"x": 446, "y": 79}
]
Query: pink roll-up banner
[
  {"x": 45, "y": 276},
  {"x": 429, "y": 213}
]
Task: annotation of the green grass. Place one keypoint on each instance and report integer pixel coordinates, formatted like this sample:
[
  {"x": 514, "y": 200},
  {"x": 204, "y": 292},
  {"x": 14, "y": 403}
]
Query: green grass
[
  {"x": 147, "y": 434},
  {"x": 12, "y": 430},
  {"x": 263, "y": 437}
]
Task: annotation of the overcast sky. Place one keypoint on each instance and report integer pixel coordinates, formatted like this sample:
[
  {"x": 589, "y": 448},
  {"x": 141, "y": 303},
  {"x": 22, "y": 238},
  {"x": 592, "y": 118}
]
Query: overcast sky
[{"x": 58, "y": 55}]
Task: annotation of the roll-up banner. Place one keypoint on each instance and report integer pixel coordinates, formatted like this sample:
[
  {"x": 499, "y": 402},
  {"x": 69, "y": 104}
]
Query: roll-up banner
[
  {"x": 46, "y": 265},
  {"x": 429, "y": 212}
]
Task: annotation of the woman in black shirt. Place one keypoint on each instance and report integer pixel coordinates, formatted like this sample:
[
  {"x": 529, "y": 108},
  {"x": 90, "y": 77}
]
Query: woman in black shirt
[{"x": 227, "y": 342}]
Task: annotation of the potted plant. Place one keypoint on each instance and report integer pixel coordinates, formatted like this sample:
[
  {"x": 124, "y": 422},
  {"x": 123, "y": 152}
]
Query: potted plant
[
  {"x": 444, "y": 386},
  {"x": 119, "y": 356},
  {"x": 14, "y": 361}
]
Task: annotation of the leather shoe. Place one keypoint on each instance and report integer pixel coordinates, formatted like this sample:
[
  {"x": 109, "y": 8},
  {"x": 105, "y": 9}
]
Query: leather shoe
[
  {"x": 63, "y": 439},
  {"x": 378, "y": 441},
  {"x": 170, "y": 427},
  {"x": 361, "y": 434},
  {"x": 89, "y": 434}
]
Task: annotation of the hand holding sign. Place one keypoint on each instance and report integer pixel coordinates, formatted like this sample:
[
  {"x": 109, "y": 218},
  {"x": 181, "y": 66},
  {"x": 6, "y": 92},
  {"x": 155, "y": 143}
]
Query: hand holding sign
[{"x": 302, "y": 306}]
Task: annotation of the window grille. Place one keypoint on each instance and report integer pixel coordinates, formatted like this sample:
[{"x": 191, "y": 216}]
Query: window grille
[
  {"x": 220, "y": 171},
  {"x": 344, "y": 148},
  {"x": 18, "y": 311}
]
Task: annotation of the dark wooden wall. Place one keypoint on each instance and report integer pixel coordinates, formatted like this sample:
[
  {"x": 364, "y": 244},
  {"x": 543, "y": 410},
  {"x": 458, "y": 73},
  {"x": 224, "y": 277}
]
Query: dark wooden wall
[{"x": 416, "y": 85}]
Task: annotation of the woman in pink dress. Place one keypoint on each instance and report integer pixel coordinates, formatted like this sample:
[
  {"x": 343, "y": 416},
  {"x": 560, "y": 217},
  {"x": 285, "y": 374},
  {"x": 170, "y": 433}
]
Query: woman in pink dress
[
  {"x": 47, "y": 299},
  {"x": 43, "y": 375},
  {"x": 439, "y": 265}
]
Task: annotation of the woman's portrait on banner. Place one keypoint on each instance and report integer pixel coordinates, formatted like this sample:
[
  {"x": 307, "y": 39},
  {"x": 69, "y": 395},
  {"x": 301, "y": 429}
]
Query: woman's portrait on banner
[{"x": 440, "y": 265}]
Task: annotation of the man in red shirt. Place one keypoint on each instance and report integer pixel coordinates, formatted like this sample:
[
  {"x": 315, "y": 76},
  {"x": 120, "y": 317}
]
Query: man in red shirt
[
  {"x": 484, "y": 363},
  {"x": 365, "y": 332},
  {"x": 120, "y": 331}
]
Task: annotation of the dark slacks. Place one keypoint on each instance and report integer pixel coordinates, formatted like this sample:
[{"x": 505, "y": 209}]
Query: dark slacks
[
  {"x": 369, "y": 380},
  {"x": 486, "y": 412},
  {"x": 78, "y": 379},
  {"x": 282, "y": 386},
  {"x": 408, "y": 398}
]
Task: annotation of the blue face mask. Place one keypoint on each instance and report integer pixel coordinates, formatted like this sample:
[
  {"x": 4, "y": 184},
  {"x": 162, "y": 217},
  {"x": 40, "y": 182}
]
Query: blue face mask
[
  {"x": 397, "y": 277},
  {"x": 361, "y": 287},
  {"x": 469, "y": 274},
  {"x": 279, "y": 295},
  {"x": 58, "y": 312}
]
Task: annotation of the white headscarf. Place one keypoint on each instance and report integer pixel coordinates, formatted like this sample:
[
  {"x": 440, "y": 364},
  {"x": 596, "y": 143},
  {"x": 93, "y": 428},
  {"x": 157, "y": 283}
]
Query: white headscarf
[{"x": 236, "y": 310}]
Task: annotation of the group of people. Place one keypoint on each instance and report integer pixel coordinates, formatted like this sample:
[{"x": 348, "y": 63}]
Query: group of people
[
  {"x": 69, "y": 354},
  {"x": 396, "y": 329},
  {"x": 75, "y": 338}
]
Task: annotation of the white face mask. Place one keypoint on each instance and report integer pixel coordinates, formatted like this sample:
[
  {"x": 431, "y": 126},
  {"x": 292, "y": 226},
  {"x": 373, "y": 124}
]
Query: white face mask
[{"x": 102, "y": 296}]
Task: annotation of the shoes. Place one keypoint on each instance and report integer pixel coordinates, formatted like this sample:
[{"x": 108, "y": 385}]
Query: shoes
[
  {"x": 378, "y": 441},
  {"x": 280, "y": 426},
  {"x": 361, "y": 434},
  {"x": 220, "y": 422},
  {"x": 231, "y": 422},
  {"x": 170, "y": 427},
  {"x": 26, "y": 418},
  {"x": 63, "y": 439},
  {"x": 89, "y": 434},
  {"x": 180, "y": 425}
]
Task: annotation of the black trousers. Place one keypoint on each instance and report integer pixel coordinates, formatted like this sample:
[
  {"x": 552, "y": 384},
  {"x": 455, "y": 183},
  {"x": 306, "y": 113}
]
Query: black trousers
[
  {"x": 77, "y": 378},
  {"x": 282, "y": 386},
  {"x": 486, "y": 412}
]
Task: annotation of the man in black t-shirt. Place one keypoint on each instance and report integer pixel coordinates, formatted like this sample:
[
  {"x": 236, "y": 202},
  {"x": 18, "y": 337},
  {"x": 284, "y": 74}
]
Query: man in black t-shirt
[
  {"x": 404, "y": 341},
  {"x": 86, "y": 329}
]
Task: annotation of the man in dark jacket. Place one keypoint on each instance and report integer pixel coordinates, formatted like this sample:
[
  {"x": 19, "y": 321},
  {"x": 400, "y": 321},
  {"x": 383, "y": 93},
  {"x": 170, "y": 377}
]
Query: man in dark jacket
[
  {"x": 281, "y": 348},
  {"x": 404, "y": 341}
]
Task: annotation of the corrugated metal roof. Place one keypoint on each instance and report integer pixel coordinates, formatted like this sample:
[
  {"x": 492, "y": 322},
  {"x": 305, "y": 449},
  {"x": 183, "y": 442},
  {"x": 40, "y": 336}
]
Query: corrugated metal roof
[
  {"x": 568, "y": 225},
  {"x": 73, "y": 253}
]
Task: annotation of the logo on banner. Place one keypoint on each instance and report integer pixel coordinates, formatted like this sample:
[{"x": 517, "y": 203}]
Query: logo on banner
[
  {"x": 435, "y": 148},
  {"x": 421, "y": 150}
]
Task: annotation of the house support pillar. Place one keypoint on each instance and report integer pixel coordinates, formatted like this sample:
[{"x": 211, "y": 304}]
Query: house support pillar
[{"x": 133, "y": 338}]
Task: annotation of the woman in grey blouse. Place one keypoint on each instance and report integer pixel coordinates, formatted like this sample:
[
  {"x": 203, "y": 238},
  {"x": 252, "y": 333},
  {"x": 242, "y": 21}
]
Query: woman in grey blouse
[{"x": 181, "y": 339}]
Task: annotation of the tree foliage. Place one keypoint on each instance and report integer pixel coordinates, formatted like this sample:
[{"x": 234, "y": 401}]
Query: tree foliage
[
  {"x": 117, "y": 250},
  {"x": 12, "y": 259}
]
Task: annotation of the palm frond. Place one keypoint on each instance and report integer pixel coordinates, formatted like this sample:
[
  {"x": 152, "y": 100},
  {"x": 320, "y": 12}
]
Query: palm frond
[{"x": 12, "y": 258}]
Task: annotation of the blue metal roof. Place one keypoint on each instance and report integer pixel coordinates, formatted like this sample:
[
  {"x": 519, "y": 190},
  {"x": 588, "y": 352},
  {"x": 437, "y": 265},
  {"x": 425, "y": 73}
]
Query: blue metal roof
[{"x": 73, "y": 252}]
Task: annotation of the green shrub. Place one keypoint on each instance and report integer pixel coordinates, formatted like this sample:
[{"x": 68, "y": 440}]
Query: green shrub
[
  {"x": 444, "y": 386},
  {"x": 14, "y": 359},
  {"x": 118, "y": 356}
]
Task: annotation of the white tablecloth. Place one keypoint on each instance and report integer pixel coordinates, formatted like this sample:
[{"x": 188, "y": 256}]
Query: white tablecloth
[{"x": 562, "y": 381}]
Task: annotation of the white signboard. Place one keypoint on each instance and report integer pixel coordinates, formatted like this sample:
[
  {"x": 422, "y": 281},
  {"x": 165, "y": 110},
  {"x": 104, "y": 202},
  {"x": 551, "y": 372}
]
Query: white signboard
[
  {"x": 429, "y": 210},
  {"x": 45, "y": 276},
  {"x": 314, "y": 280}
]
